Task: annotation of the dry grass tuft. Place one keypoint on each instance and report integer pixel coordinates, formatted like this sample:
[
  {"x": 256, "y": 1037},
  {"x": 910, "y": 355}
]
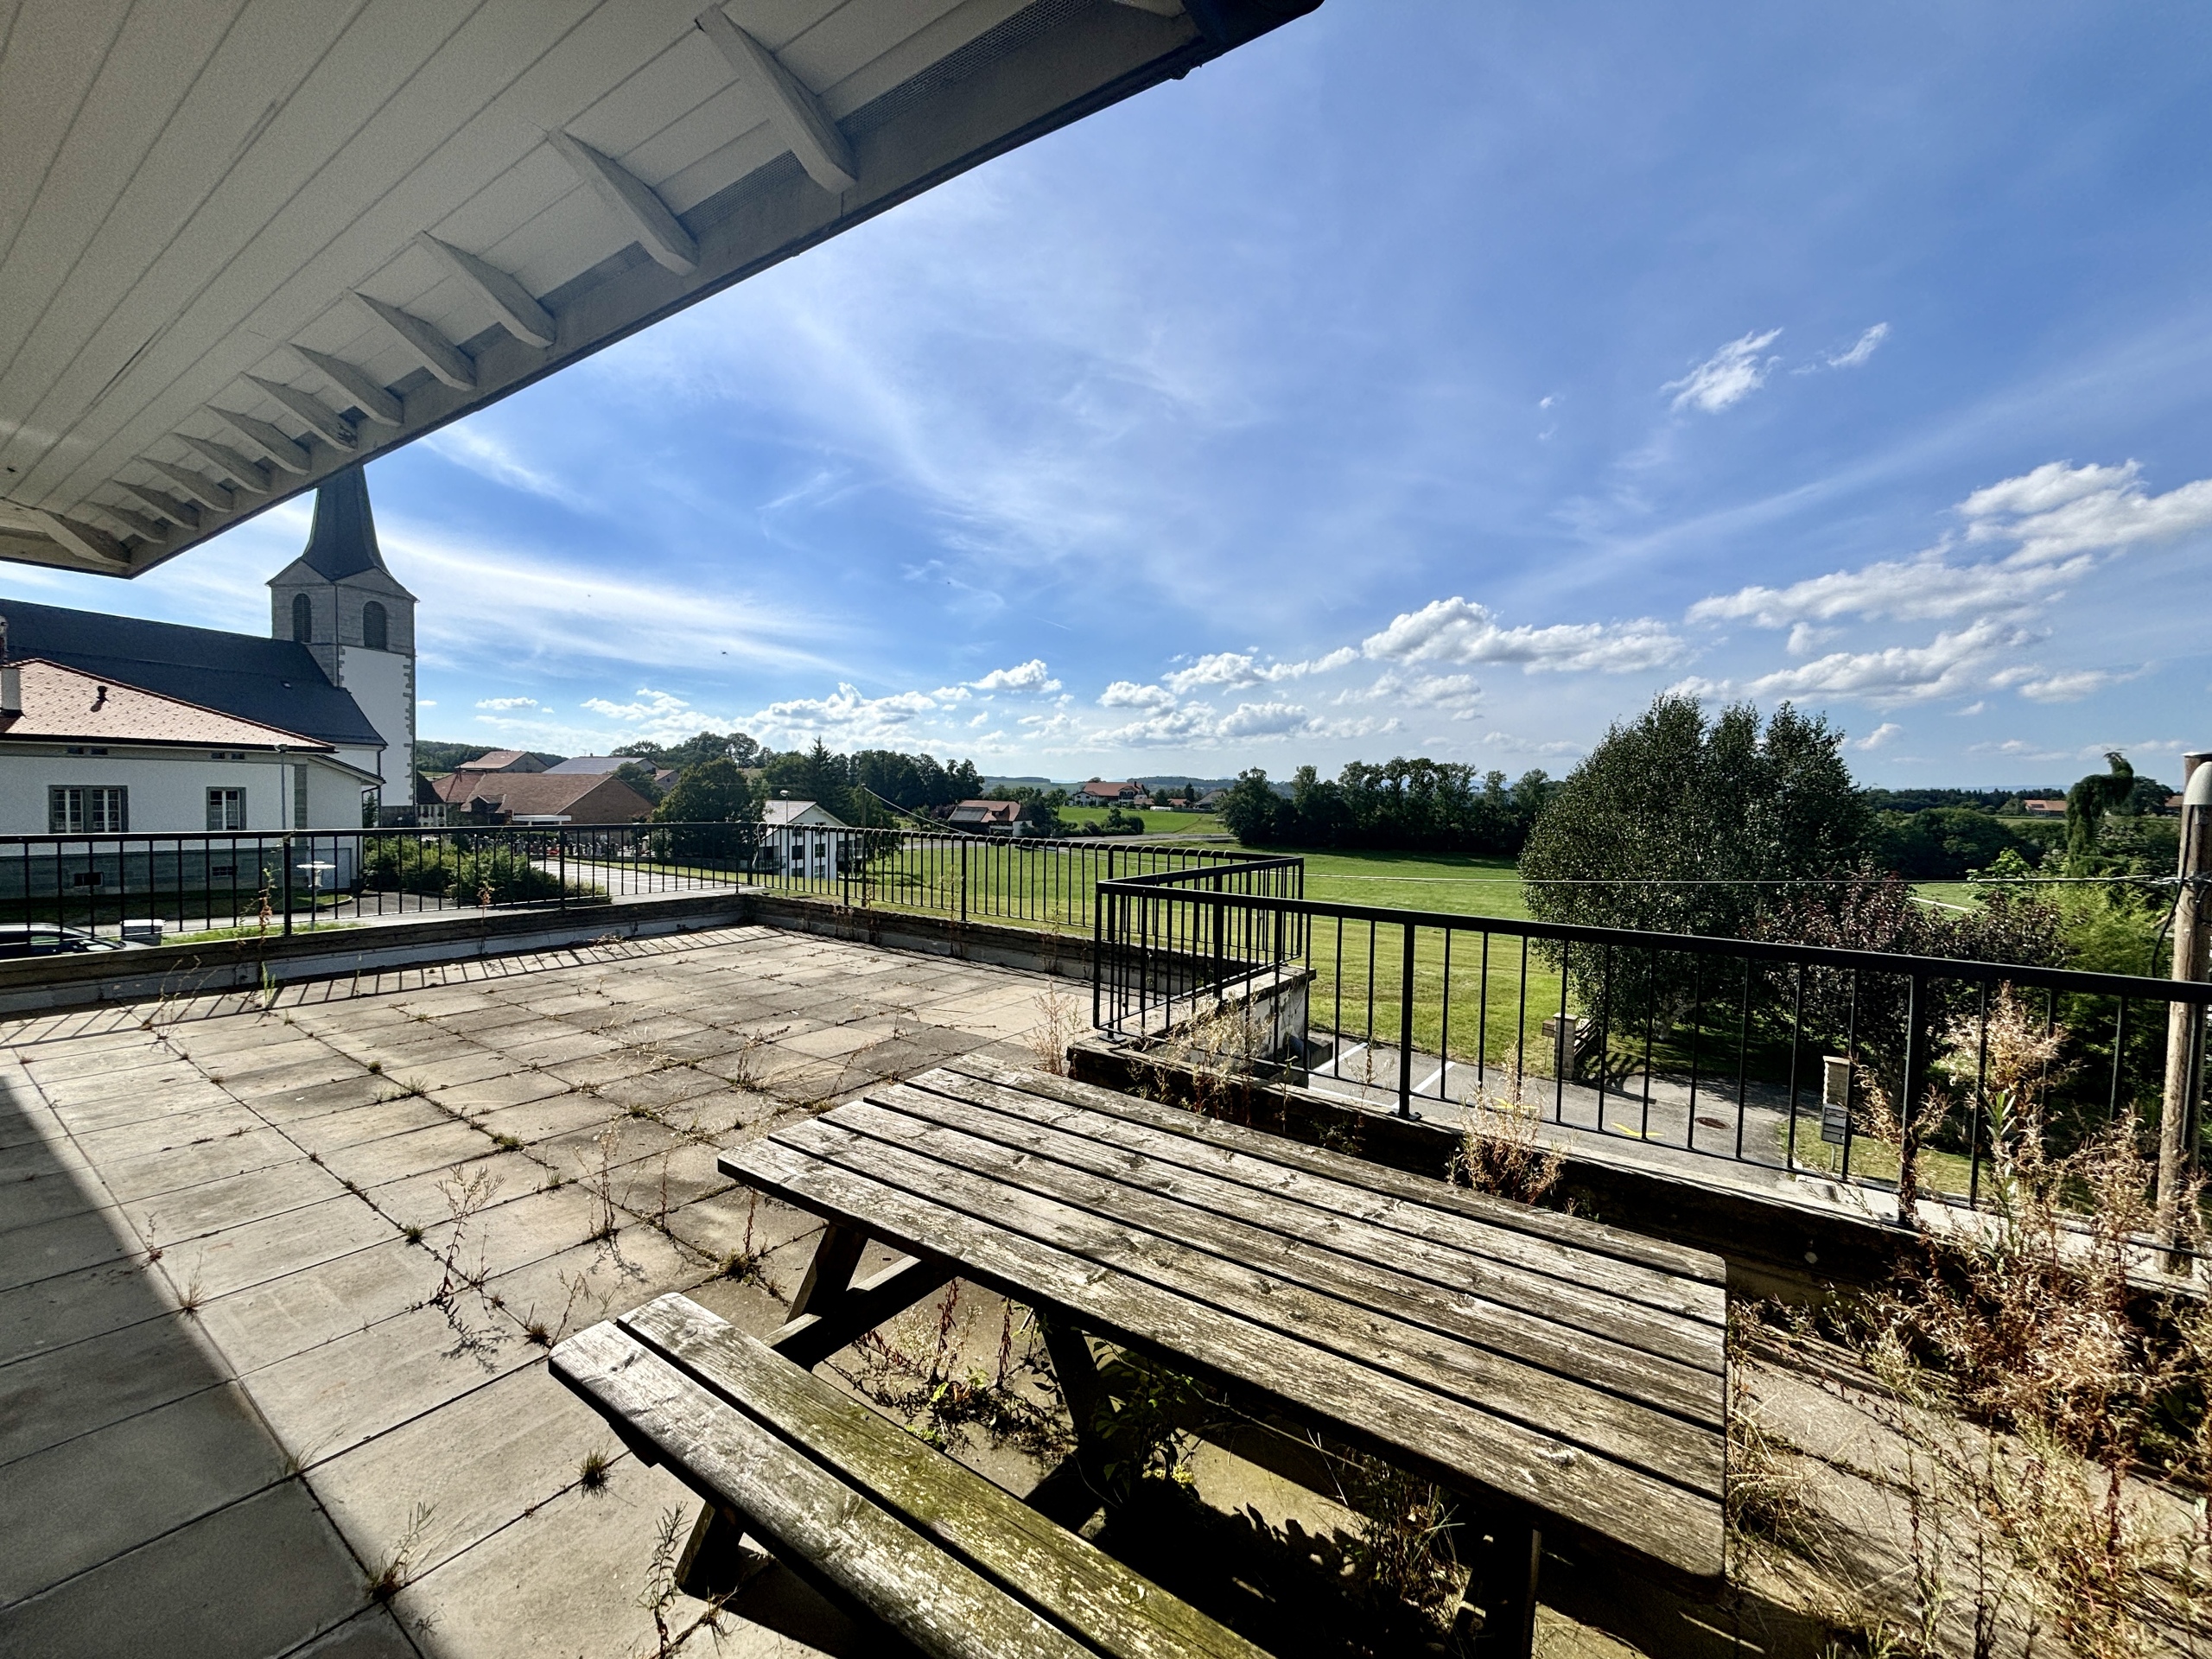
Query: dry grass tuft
[{"x": 1500, "y": 1150}]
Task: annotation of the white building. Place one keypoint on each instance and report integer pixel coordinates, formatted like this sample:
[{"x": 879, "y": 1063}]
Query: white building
[
  {"x": 805, "y": 840},
  {"x": 149, "y": 727},
  {"x": 80, "y": 756}
]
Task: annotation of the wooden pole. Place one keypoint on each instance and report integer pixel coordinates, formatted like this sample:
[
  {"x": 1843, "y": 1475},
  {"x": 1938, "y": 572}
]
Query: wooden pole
[{"x": 2185, "y": 1021}]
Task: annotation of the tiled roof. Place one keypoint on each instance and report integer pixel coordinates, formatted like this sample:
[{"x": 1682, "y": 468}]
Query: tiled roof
[
  {"x": 67, "y": 705},
  {"x": 544, "y": 794},
  {"x": 597, "y": 764},
  {"x": 493, "y": 760},
  {"x": 267, "y": 682}
]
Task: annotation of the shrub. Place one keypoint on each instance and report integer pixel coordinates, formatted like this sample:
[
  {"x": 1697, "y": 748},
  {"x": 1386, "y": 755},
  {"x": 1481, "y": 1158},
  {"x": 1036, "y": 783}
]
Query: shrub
[{"x": 460, "y": 869}]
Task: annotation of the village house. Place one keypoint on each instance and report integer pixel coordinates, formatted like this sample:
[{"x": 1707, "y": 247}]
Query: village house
[
  {"x": 804, "y": 839},
  {"x": 152, "y": 728},
  {"x": 1004, "y": 818},
  {"x": 539, "y": 798},
  {"x": 1098, "y": 792}
]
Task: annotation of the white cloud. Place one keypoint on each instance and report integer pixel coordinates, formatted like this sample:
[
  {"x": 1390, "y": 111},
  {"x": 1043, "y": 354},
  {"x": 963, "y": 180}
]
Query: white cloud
[
  {"x": 1883, "y": 735},
  {"x": 1729, "y": 376},
  {"x": 2059, "y": 511},
  {"x": 845, "y": 718},
  {"x": 475, "y": 447},
  {"x": 505, "y": 704},
  {"x": 2071, "y": 686},
  {"x": 1128, "y": 694},
  {"x": 1922, "y": 590},
  {"x": 1460, "y": 631},
  {"x": 1458, "y": 694},
  {"x": 1264, "y": 720},
  {"x": 1031, "y": 675},
  {"x": 1868, "y": 343},
  {"x": 1950, "y": 665},
  {"x": 1236, "y": 668}
]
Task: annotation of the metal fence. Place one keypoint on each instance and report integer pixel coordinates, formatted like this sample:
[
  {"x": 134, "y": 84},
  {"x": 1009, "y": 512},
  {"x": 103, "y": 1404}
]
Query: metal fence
[
  {"x": 1815, "y": 1061},
  {"x": 74, "y": 891}
]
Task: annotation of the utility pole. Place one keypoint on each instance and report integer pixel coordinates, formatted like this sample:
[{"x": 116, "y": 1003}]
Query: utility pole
[{"x": 2185, "y": 1021}]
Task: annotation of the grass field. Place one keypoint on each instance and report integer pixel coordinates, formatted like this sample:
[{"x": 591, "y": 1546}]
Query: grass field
[{"x": 1156, "y": 822}]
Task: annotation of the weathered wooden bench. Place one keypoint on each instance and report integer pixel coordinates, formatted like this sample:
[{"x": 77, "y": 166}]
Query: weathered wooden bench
[{"x": 863, "y": 1509}]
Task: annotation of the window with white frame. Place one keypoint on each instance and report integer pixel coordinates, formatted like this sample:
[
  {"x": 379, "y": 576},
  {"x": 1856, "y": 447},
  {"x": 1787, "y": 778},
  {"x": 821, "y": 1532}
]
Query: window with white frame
[
  {"x": 226, "y": 808},
  {"x": 88, "y": 810}
]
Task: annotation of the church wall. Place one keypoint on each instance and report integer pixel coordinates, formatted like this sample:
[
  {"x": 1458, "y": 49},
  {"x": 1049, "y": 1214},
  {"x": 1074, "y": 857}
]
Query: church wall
[{"x": 383, "y": 682}]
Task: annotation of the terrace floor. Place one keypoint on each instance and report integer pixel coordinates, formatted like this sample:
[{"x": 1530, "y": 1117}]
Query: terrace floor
[{"x": 276, "y": 1283}]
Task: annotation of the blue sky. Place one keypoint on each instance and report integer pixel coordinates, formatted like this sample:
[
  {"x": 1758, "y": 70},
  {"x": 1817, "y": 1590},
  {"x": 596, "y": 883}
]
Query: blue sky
[{"x": 1423, "y": 378}]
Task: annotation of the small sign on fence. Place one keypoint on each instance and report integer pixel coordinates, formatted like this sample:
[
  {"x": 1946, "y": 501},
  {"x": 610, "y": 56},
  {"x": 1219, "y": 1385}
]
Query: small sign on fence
[{"x": 1835, "y": 1098}]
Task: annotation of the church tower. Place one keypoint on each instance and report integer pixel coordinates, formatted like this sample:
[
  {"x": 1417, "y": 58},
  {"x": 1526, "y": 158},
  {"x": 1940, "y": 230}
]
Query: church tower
[{"x": 356, "y": 621}]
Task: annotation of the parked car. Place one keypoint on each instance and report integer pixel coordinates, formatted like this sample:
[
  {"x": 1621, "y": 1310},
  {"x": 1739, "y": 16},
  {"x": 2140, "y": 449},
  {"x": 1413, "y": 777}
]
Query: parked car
[{"x": 45, "y": 939}]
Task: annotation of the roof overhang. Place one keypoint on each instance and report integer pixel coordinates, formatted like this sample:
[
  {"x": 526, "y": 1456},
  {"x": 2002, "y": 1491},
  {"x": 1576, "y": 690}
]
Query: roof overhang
[{"x": 241, "y": 252}]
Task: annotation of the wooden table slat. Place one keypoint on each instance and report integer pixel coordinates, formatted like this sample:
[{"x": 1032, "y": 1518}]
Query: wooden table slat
[
  {"x": 1456, "y": 1441},
  {"x": 804, "y": 1512},
  {"x": 1455, "y": 1249},
  {"x": 1070, "y": 1580},
  {"x": 904, "y": 1118},
  {"x": 1661, "y": 1260}
]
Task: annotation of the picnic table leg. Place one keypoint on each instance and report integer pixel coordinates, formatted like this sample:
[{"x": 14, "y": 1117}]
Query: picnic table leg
[
  {"x": 1504, "y": 1586},
  {"x": 715, "y": 1564},
  {"x": 829, "y": 1275},
  {"x": 1084, "y": 1390}
]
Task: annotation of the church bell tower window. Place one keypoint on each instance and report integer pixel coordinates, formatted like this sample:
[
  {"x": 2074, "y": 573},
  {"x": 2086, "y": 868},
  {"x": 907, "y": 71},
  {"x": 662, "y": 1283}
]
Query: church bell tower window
[
  {"x": 376, "y": 628},
  {"x": 302, "y": 618}
]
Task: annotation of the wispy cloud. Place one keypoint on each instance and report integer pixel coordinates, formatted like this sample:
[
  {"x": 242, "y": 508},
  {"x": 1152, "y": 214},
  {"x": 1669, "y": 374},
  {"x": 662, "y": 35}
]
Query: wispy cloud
[
  {"x": 1729, "y": 376},
  {"x": 1458, "y": 630},
  {"x": 1865, "y": 347}
]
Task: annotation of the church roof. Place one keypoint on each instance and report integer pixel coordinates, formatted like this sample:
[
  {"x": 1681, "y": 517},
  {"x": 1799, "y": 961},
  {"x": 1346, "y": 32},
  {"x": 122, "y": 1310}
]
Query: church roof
[
  {"x": 344, "y": 540},
  {"x": 269, "y": 682}
]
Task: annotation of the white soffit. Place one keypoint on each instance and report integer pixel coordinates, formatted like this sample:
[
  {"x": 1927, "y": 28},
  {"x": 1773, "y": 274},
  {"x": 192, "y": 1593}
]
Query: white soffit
[{"x": 245, "y": 243}]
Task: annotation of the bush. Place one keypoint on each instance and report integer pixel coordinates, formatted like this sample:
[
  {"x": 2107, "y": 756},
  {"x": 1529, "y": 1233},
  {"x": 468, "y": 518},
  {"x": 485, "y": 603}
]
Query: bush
[{"x": 462, "y": 869}]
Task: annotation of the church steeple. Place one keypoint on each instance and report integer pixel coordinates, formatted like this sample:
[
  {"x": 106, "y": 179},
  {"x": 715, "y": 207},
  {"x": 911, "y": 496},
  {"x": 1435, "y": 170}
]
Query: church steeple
[
  {"x": 340, "y": 602},
  {"x": 344, "y": 540}
]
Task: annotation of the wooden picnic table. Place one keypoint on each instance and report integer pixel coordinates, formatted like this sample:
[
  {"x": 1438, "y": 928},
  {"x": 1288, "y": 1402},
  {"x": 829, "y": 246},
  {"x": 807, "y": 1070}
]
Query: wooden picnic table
[{"x": 1568, "y": 1375}]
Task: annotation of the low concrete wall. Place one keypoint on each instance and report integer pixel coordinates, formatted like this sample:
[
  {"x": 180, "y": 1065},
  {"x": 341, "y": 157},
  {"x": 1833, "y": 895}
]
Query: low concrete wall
[{"x": 146, "y": 974}]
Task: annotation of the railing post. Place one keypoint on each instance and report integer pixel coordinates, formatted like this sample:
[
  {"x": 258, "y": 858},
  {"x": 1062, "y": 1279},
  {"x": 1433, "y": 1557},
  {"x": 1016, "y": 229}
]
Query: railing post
[
  {"x": 560, "y": 854},
  {"x": 964, "y": 879},
  {"x": 1406, "y": 1027},
  {"x": 2184, "y": 1020},
  {"x": 284, "y": 873},
  {"x": 1909, "y": 1092}
]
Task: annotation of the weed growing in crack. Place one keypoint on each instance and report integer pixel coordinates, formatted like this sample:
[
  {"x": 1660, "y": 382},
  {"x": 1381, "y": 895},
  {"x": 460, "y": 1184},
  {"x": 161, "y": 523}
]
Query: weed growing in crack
[
  {"x": 743, "y": 1065},
  {"x": 1056, "y": 1028},
  {"x": 399, "y": 1568},
  {"x": 507, "y": 1142},
  {"x": 913, "y": 1370},
  {"x": 376, "y": 1068},
  {"x": 412, "y": 1232},
  {"x": 465, "y": 1199},
  {"x": 591, "y": 1474},
  {"x": 743, "y": 1263},
  {"x": 600, "y": 1184},
  {"x": 1500, "y": 1151}
]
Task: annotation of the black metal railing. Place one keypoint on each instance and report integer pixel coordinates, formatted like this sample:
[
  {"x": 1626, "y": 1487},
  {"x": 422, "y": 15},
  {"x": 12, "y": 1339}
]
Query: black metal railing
[
  {"x": 78, "y": 891},
  {"x": 1809, "y": 1060}
]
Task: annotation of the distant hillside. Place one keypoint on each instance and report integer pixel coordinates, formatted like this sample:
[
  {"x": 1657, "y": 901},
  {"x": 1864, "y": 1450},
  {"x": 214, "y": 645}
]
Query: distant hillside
[{"x": 433, "y": 756}]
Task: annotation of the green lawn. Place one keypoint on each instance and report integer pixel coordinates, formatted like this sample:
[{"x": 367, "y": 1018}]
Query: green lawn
[{"x": 1156, "y": 822}]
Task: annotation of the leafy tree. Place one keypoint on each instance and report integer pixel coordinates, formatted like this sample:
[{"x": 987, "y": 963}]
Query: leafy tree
[
  {"x": 1945, "y": 843},
  {"x": 1417, "y": 805},
  {"x": 1681, "y": 823},
  {"x": 639, "y": 777},
  {"x": 712, "y": 793},
  {"x": 1251, "y": 808},
  {"x": 2089, "y": 801}
]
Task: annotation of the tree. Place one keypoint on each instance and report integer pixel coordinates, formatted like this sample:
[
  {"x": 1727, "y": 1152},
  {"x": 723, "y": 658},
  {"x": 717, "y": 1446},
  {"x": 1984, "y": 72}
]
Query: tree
[
  {"x": 1681, "y": 823},
  {"x": 711, "y": 793},
  {"x": 1250, "y": 808},
  {"x": 639, "y": 777},
  {"x": 2089, "y": 801}
]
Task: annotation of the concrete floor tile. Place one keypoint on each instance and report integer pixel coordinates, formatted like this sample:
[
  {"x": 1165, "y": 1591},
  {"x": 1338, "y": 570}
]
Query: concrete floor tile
[
  {"x": 254, "y": 1251},
  {"x": 273, "y": 1320},
  {"x": 658, "y": 1090},
  {"x": 108, "y": 1106},
  {"x": 425, "y": 1200},
  {"x": 490, "y": 1094},
  {"x": 55, "y": 1396},
  {"x": 147, "y": 1175},
  {"x": 298, "y": 1105},
  {"x": 600, "y": 1279},
  {"x": 257, "y": 1578},
  {"x": 540, "y": 1120},
  {"x": 397, "y": 1157},
  {"x": 577, "y": 1567},
  {"x": 333, "y": 1131},
  {"x": 736, "y": 1221},
  {"x": 372, "y": 1633},
  {"x": 165, "y": 1131},
  {"x": 332, "y": 1398},
  {"x": 192, "y": 1211},
  {"x": 511, "y": 1447},
  {"x": 70, "y": 1308},
  {"x": 64, "y": 1245},
  {"x": 81, "y": 1503},
  {"x": 41, "y": 1196}
]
